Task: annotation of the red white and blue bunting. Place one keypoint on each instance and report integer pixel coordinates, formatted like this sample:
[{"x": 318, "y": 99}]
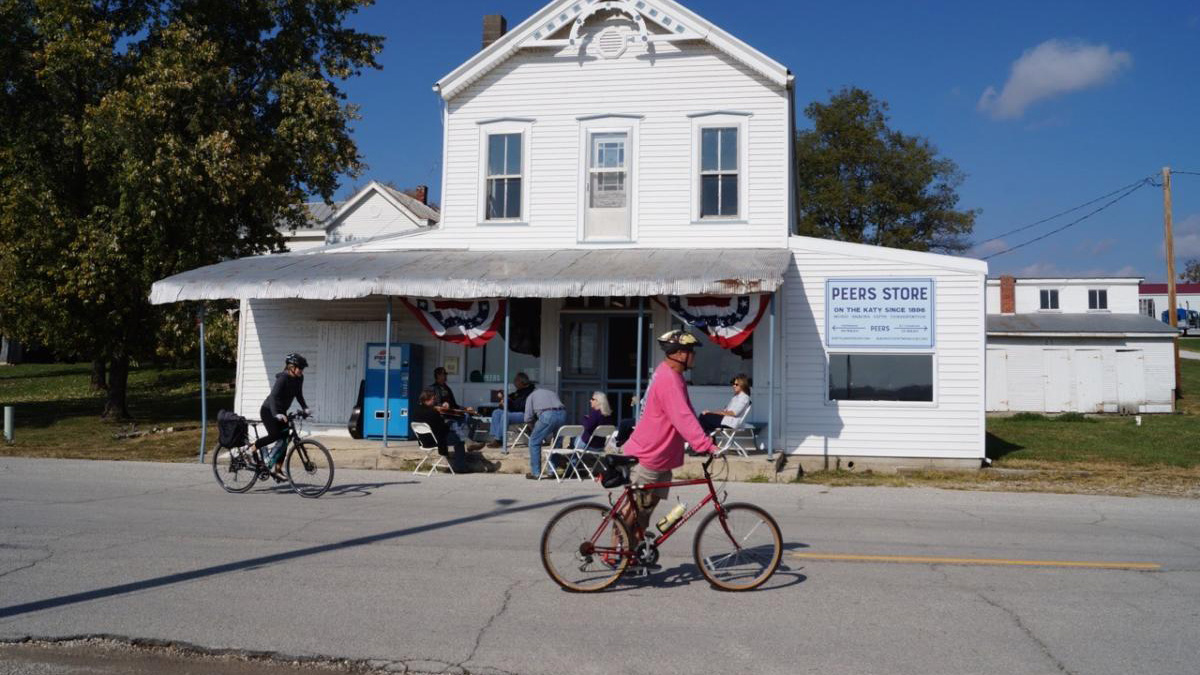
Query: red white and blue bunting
[
  {"x": 464, "y": 322},
  {"x": 727, "y": 320}
]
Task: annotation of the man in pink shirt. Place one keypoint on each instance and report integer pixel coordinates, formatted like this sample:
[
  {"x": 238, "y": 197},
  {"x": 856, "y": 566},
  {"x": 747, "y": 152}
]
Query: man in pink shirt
[{"x": 668, "y": 420}]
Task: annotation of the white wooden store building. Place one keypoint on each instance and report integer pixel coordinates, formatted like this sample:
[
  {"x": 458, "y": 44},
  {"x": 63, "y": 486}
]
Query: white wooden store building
[
  {"x": 1076, "y": 345},
  {"x": 598, "y": 159}
]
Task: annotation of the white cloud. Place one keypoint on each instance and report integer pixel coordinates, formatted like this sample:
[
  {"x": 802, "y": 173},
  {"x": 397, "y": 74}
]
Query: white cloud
[
  {"x": 1187, "y": 239},
  {"x": 987, "y": 248},
  {"x": 1053, "y": 68},
  {"x": 1050, "y": 270}
]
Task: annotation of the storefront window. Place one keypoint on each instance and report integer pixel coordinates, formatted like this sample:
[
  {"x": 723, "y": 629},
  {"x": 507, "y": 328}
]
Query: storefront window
[
  {"x": 486, "y": 364},
  {"x": 881, "y": 377}
]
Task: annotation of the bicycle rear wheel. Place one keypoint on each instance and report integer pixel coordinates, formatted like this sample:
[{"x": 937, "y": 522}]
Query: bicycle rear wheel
[
  {"x": 310, "y": 469},
  {"x": 740, "y": 551},
  {"x": 234, "y": 468},
  {"x": 583, "y": 550}
]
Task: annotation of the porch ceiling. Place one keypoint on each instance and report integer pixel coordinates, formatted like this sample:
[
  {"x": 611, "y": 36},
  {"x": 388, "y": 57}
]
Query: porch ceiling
[{"x": 469, "y": 274}]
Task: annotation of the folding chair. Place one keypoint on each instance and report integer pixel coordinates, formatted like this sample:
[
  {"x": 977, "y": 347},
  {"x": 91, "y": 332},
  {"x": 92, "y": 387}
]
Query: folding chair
[
  {"x": 428, "y": 442},
  {"x": 727, "y": 439},
  {"x": 523, "y": 432},
  {"x": 605, "y": 432},
  {"x": 567, "y": 434}
]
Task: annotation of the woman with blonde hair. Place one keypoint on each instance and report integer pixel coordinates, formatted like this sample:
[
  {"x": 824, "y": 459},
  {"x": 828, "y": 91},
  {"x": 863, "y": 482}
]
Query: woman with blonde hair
[
  {"x": 601, "y": 413},
  {"x": 711, "y": 420}
]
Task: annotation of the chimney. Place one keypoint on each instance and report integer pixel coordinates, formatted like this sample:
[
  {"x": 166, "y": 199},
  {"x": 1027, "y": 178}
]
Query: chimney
[
  {"x": 494, "y": 28},
  {"x": 1008, "y": 294},
  {"x": 421, "y": 193}
]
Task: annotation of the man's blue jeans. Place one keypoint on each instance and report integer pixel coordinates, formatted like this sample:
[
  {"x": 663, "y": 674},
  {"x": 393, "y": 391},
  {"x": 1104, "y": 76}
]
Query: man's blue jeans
[
  {"x": 547, "y": 425},
  {"x": 499, "y": 427}
]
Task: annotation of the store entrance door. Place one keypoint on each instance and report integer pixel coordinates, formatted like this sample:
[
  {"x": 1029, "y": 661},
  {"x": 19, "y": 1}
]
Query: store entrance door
[{"x": 599, "y": 353}]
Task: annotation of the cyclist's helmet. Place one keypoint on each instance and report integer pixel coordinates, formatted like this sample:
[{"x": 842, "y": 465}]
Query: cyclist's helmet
[
  {"x": 678, "y": 341},
  {"x": 295, "y": 360}
]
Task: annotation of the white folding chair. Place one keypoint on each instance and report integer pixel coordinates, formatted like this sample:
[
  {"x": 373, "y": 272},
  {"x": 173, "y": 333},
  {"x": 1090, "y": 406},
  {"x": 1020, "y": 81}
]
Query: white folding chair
[
  {"x": 727, "y": 439},
  {"x": 606, "y": 433},
  {"x": 523, "y": 432},
  {"x": 428, "y": 442},
  {"x": 565, "y": 436}
]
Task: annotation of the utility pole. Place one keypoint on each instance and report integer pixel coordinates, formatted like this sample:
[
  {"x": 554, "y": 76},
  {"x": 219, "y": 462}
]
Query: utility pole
[{"x": 1170, "y": 241}]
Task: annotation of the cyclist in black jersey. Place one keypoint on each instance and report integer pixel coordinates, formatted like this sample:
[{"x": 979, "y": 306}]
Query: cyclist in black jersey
[{"x": 288, "y": 387}]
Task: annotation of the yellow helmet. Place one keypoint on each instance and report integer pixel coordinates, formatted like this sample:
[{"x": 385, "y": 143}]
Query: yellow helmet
[{"x": 678, "y": 341}]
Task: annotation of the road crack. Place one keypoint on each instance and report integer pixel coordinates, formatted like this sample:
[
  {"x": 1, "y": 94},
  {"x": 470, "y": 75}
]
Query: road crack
[
  {"x": 35, "y": 563},
  {"x": 508, "y": 594},
  {"x": 1045, "y": 649}
]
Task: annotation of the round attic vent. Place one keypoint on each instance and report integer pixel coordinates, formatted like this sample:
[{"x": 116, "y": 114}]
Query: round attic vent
[{"x": 611, "y": 42}]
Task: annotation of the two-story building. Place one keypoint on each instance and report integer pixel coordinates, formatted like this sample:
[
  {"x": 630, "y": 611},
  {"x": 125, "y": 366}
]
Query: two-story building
[
  {"x": 1076, "y": 345},
  {"x": 613, "y": 169}
]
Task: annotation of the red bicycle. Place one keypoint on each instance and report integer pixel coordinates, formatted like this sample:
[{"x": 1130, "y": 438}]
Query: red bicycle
[{"x": 587, "y": 547}]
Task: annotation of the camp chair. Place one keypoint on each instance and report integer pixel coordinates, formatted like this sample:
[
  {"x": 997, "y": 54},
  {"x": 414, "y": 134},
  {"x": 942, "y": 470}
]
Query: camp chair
[
  {"x": 428, "y": 442},
  {"x": 565, "y": 436},
  {"x": 727, "y": 439}
]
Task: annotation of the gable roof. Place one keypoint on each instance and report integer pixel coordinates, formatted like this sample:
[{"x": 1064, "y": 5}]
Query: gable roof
[
  {"x": 679, "y": 22},
  {"x": 420, "y": 212},
  {"x": 1077, "y": 324}
]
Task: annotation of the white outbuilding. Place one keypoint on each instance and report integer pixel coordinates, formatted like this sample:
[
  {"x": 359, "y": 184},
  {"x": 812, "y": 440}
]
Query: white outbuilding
[{"x": 613, "y": 170}]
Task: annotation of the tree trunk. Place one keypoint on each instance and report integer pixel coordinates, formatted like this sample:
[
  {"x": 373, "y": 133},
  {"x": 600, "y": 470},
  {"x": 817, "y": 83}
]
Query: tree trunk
[
  {"x": 99, "y": 375},
  {"x": 118, "y": 379}
]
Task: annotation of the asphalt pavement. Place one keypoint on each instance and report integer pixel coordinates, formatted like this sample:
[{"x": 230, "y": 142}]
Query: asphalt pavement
[{"x": 442, "y": 574}]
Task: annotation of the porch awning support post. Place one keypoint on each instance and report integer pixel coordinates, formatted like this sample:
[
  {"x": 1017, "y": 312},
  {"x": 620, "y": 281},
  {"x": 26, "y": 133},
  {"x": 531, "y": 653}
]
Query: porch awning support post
[
  {"x": 203, "y": 387},
  {"x": 771, "y": 382},
  {"x": 638, "y": 391},
  {"x": 387, "y": 372},
  {"x": 504, "y": 386}
]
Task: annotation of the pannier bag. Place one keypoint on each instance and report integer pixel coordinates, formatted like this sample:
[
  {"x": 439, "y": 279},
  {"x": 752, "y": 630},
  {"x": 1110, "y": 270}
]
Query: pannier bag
[{"x": 232, "y": 430}]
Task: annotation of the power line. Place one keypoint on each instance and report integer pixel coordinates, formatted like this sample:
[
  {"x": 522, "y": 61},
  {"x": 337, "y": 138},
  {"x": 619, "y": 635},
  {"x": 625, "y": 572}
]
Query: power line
[
  {"x": 1186, "y": 173},
  {"x": 1132, "y": 189},
  {"x": 1138, "y": 182}
]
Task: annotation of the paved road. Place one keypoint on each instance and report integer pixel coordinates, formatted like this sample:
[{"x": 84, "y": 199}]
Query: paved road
[{"x": 442, "y": 574}]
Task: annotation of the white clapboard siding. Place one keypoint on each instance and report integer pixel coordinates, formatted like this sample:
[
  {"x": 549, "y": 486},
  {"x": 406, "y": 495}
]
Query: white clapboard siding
[
  {"x": 375, "y": 216},
  {"x": 555, "y": 88},
  {"x": 270, "y": 329},
  {"x": 950, "y": 428},
  {"x": 1026, "y": 376}
]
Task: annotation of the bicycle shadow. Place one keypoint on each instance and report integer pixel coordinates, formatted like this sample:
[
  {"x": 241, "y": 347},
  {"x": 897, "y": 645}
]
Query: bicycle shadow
[
  {"x": 785, "y": 576},
  {"x": 343, "y": 491}
]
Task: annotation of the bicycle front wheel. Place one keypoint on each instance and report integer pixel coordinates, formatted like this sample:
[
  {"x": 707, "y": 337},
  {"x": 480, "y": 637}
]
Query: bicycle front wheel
[
  {"x": 583, "y": 550},
  {"x": 234, "y": 469},
  {"x": 739, "y": 550},
  {"x": 310, "y": 469}
]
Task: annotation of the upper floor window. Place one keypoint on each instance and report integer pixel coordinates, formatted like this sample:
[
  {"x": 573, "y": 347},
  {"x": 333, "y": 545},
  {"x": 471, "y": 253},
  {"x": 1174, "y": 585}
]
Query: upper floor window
[
  {"x": 504, "y": 149},
  {"x": 1049, "y": 298},
  {"x": 719, "y": 172},
  {"x": 1098, "y": 299},
  {"x": 720, "y": 166},
  {"x": 504, "y": 177}
]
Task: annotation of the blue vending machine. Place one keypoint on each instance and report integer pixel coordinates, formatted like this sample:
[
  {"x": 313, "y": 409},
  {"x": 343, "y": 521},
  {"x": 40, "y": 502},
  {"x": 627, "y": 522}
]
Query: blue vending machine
[{"x": 404, "y": 376}]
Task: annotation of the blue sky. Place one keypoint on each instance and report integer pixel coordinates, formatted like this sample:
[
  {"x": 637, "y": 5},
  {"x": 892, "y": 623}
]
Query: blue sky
[{"x": 1088, "y": 97}]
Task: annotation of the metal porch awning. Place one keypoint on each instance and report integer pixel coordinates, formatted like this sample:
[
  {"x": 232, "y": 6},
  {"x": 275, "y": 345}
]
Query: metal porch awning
[{"x": 469, "y": 274}]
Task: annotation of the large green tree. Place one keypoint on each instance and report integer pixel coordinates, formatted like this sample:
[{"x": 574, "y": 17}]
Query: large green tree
[
  {"x": 859, "y": 180},
  {"x": 142, "y": 138}
]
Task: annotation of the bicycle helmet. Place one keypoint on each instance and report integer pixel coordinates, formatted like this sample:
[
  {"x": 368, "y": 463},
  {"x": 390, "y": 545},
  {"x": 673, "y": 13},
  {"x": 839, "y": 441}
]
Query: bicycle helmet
[
  {"x": 295, "y": 360},
  {"x": 678, "y": 341}
]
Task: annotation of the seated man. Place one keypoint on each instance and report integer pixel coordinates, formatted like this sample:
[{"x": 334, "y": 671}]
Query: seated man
[
  {"x": 461, "y": 419},
  {"x": 427, "y": 413},
  {"x": 516, "y": 413}
]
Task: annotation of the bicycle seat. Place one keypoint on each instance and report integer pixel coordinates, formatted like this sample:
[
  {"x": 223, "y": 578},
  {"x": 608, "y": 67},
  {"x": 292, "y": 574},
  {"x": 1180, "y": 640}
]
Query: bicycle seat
[{"x": 620, "y": 460}]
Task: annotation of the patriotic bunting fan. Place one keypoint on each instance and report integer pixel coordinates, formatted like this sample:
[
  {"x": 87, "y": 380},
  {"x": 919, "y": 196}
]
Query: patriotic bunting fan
[
  {"x": 727, "y": 320},
  {"x": 464, "y": 322}
]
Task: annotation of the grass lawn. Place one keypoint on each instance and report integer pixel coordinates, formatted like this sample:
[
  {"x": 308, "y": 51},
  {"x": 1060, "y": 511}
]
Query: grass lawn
[
  {"x": 1189, "y": 344},
  {"x": 57, "y": 415}
]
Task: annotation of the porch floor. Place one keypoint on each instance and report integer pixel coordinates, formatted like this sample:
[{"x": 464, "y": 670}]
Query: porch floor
[{"x": 350, "y": 453}]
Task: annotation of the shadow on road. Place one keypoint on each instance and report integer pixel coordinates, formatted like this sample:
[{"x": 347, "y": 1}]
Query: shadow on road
[
  {"x": 261, "y": 561},
  {"x": 347, "y": 491},
  {"x": 683, "y": 575}
]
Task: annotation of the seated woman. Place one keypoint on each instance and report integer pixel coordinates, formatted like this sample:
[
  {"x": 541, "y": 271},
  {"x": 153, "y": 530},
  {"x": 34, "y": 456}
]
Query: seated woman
[
  {"x": 601, "y": 413},
  {"x": 711, "y": 420}
]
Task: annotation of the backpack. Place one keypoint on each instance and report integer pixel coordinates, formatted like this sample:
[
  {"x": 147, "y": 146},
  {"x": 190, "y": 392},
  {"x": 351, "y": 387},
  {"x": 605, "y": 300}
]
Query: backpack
[{"x": 232, "y": 430}]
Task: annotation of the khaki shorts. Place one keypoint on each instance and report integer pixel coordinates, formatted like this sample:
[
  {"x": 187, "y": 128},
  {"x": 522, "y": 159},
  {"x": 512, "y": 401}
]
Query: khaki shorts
[{"x": 648, "y": 499}]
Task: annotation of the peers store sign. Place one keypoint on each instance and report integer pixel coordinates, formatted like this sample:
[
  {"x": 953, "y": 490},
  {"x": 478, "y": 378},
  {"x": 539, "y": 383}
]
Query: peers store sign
[{"x": 879, "y": 313}]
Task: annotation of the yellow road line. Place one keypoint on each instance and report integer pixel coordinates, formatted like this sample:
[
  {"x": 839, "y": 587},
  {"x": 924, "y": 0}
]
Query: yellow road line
[{"x": 979, "y": 561}]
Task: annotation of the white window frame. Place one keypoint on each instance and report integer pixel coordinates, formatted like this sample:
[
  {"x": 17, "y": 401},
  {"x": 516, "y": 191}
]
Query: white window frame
[
  {"x": 933, "y": 364},
  {"x": 1058, "y": 296},
  {"x": 1098, "y": 291},
  {"x": 614, "y": 123},
  {"x": 720, "y": 120},
  {"x": 489, "y": 128}
]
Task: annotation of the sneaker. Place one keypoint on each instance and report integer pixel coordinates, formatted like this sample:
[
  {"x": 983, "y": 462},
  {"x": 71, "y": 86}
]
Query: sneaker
[{"x": 532, "y": 476}]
